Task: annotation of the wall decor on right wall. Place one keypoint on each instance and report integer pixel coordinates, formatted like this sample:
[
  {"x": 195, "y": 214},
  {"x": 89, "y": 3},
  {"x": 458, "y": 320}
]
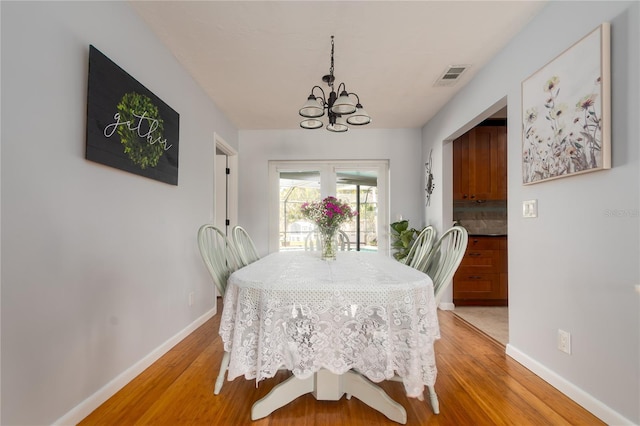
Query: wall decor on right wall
[
  {"x": 566, "y": 106},
  {"x": 428, "y": 178}
]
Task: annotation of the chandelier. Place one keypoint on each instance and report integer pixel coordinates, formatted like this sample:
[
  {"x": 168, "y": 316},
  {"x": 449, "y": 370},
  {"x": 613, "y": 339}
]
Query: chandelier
[{"x": 341, "y": 110}]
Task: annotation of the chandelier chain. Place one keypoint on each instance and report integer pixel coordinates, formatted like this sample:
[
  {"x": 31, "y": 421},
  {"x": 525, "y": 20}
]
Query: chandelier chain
[{"x": 331, "y": 67}]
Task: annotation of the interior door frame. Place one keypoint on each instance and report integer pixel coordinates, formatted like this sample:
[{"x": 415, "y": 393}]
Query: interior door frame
[
  {"x": 447, "y": 176},
  {"x": 328, "y": 171},
  {"x": 230, "y": 196}
]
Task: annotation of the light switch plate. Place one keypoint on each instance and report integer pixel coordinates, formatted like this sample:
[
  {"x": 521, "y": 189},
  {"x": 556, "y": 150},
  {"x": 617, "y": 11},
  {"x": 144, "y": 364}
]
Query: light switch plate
[{"x": 530, "y": 208}]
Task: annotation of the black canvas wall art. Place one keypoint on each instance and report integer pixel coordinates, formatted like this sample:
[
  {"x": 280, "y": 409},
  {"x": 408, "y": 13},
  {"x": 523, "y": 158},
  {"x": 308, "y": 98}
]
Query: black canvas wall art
[{"x": 128, "y": 127}]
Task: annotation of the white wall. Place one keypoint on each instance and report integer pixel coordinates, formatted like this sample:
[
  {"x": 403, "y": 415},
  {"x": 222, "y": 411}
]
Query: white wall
[
  {"x": 97, "y": 263},
  {"x": 402, "y": 147},
  {"x": 575, "y": 266}
]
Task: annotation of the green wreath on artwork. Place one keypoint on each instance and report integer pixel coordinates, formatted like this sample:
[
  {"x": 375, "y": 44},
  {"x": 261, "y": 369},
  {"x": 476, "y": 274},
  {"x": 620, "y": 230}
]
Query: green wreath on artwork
[{"x": 140, "y": 138}]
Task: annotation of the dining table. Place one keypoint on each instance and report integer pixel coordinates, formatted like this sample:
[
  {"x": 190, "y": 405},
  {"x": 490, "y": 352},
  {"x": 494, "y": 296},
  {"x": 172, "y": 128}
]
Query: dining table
[{"x": 339, "y": 326}]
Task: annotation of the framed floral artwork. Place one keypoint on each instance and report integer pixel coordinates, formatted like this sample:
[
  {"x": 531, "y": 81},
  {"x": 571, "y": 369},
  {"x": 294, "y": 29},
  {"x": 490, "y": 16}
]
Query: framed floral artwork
[{"x": 566, "y": 111}]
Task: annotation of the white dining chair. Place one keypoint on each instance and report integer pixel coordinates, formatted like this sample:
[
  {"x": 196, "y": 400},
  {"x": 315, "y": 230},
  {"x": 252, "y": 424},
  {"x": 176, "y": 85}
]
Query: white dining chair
[
  {"x": 444, "y": 258},
  {"x": 221, "y": 259},
  {"x": 421, "y": 247},
  {"x": 245, "y": 248},
  {"x": 440, "y": 264}
]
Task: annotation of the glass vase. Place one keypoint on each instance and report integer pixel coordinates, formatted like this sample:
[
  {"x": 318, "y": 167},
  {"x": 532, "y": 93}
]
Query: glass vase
[{"x": 328, "y": 244}]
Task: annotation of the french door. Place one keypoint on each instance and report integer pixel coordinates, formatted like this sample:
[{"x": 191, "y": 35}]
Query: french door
[{"x": 363, "y": 184}]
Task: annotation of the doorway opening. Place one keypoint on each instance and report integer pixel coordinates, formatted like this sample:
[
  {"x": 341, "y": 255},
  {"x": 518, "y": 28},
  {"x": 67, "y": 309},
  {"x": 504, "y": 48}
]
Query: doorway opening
[{"x": 479, "y": 203}]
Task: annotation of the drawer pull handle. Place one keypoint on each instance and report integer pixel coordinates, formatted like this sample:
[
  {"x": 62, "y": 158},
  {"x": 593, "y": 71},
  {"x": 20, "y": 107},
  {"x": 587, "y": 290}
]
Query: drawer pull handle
[{"x": 475, "y": 254}]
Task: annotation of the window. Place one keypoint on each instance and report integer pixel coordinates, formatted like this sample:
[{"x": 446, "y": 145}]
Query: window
[{"x": 361, "y": 183}]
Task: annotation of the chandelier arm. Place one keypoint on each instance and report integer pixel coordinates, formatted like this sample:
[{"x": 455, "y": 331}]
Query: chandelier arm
[
  {"x": 323, "y": 97},
  {"x": 344, "y": 88}
]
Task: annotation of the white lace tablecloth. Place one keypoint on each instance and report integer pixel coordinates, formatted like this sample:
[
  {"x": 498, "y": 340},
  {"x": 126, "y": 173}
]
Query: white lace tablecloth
[{"x": 363, "y": 311}]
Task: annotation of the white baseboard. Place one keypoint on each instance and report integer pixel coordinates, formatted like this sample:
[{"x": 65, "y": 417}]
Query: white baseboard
[
  {"x": 446, "y": 306},
  {"x": 87, "y": 406},
  {"x": 588, "y": 402}
]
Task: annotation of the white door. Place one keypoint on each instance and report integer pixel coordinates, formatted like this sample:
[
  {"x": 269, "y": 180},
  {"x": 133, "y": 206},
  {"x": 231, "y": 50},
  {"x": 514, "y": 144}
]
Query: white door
[
  {"x": 226, "y": 186},
  {"x": 221, "y": 191}
]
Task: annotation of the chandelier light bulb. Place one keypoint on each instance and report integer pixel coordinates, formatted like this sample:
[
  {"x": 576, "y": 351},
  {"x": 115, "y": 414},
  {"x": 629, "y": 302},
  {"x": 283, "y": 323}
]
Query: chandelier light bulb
[
  {"x": 312, "y": 108},
  {"x": 359, "y": 118},
  {"x": 311, "y": 123},
  {"x": 339, "y": 126},
  {"x": 344, "y": 104}
]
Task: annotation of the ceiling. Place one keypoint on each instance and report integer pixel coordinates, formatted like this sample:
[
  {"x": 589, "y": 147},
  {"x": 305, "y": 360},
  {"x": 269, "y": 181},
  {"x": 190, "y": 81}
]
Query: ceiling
[{"x": 258, "y": 60}]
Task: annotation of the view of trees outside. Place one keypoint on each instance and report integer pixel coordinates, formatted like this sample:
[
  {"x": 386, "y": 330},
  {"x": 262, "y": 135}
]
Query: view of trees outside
[
  {"x": 367, "y": 215},
  {"x": 294, "y": 227}
]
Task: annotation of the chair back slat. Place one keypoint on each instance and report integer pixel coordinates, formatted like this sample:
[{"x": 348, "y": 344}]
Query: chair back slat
[
  {"x": 219, "y": 255},
  {"x": 421, "y": 247},
  {"x": 444, "y": 258},
  {"x": 244, "y": 245}
]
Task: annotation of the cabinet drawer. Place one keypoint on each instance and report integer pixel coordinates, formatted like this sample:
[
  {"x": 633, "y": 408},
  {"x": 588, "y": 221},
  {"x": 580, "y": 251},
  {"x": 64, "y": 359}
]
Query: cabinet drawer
[
  {"x": 477, "y": 286},
  {"x": 481, "y": 261},
  {"x": 484, "y": 243}
]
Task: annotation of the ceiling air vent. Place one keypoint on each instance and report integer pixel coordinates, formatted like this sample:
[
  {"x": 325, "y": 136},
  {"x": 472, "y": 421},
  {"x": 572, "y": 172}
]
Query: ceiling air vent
[{"x": 451, "y": 75}]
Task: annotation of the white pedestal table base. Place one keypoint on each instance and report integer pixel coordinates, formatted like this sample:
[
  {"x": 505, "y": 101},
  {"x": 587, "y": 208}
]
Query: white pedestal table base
[{"x": 327, "y": 386}]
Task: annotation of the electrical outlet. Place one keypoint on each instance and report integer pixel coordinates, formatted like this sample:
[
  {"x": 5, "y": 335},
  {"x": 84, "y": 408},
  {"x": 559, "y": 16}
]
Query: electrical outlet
[
  {"x": 564, "y": 341},
  {"x": 191, "y": 298}
]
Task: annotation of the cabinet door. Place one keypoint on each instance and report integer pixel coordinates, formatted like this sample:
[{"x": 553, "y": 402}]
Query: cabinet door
[
  {"x": 461, "y": 168},
  {"x": 488, "y": 172},
  {"x": 480, "y": 164}
]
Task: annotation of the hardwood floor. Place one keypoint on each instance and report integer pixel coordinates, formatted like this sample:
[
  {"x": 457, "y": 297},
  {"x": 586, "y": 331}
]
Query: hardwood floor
[{"x": 477, "y": 385}]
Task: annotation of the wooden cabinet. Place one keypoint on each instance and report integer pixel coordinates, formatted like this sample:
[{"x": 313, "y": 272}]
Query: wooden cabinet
[
  {"x": 480, "y": 164},
  {"x": 481, "y": 278}
]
